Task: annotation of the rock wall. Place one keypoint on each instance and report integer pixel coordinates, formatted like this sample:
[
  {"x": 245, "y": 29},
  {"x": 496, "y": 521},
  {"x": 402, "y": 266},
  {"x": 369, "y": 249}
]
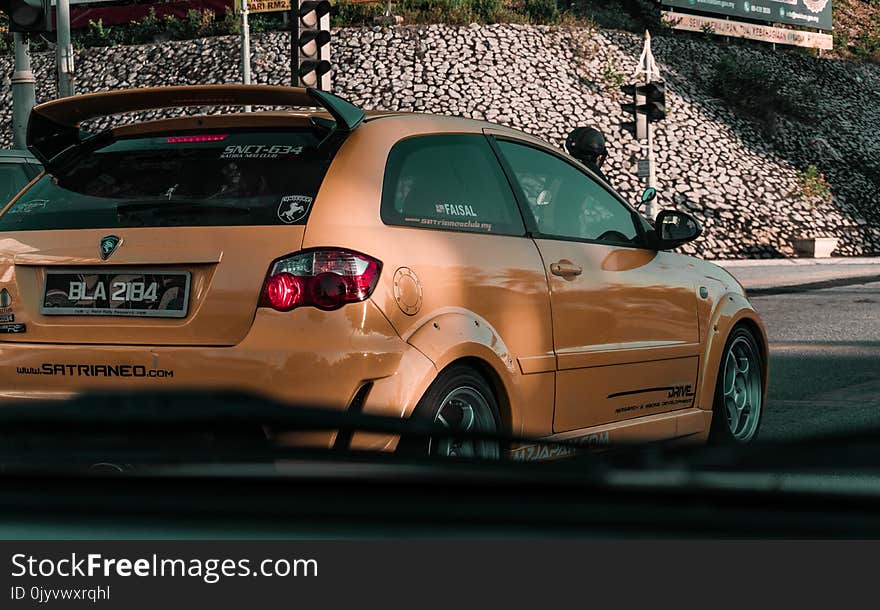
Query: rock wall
[{"x": 743, "y": 185}]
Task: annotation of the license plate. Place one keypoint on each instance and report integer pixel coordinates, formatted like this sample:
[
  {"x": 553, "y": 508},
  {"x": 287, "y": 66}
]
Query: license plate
[{"x": 153, "y": 294}]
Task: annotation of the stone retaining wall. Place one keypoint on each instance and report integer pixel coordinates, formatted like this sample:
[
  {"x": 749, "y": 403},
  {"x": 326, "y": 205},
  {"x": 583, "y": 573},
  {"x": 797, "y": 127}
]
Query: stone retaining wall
[{"x": 742, "y": 184}]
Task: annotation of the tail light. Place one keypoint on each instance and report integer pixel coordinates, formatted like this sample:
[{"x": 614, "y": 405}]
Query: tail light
[{"x": 327, "y": 279}]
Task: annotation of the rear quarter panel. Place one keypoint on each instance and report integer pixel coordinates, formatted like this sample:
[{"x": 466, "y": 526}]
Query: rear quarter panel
[{"x": 481, "y": 296}]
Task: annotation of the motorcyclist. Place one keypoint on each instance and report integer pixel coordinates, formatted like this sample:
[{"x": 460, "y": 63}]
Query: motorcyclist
[{"x": 587, "y": 145}]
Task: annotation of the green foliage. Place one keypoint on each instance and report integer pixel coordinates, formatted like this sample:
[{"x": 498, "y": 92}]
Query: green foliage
[
  {"x": 612, "y": 77},
  {"x": 613, "y": 14},
  {"x": 98, "y": 35},
  {"x": 453, "y": 12},
  {"x": 5, "y": 35},
  {"x": 752, "y": 90},
  {"x": 205, "y": 22},
  {"x": 346, "y": 14},
  {"x": 542, "y": 11},
  {"x": 259, "y": 22},
  {"x": 196, "y": 24},
  {"x": 146, "y": 30},
  {"x": 813, "y": 185}
]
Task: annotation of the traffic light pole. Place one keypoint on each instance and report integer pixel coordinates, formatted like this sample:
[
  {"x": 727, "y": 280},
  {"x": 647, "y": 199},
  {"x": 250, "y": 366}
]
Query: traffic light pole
[
  {"x": 294, "y": 46},
  {"x": 64, "y": 50},
  {"x": 651, "y": 210},
  {"x": 23, "y": 95},
  {"x": 245, "y": 47},
  {"x": 648, "y": 68}
]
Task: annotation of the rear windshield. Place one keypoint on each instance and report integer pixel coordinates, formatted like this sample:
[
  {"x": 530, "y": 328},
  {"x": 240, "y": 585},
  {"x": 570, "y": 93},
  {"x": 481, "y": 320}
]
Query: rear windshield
[
  {"x": 13, "y": 178},
  {"x": 253, "y": 178}
]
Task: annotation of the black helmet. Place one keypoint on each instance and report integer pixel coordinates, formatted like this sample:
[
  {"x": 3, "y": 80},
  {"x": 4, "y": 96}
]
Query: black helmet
[{"x": 586, "y": 144}]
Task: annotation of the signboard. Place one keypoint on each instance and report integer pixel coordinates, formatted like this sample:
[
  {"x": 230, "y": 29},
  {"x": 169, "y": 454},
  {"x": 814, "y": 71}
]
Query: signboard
[
  {"x": 264, "y": 6},
  {"x": 644, "y": 168},
  {"x": 807, "y": 13},
  {"x": 752, "y": 31}
]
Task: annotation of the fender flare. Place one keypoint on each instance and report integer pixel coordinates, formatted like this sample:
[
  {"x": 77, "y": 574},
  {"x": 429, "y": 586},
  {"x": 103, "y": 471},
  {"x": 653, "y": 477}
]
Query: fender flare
[
  {"x": 732, "y": 309},
  {"x": 454, "y": 334}
]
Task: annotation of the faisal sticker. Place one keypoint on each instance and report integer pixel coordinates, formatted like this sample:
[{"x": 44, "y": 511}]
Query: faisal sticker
[
  {"x": 293, "y": 208},
  {"x": 455, "y": 209}
]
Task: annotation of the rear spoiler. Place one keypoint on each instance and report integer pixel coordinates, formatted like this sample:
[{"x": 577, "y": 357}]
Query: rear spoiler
[{"x": 53, "y": 127}]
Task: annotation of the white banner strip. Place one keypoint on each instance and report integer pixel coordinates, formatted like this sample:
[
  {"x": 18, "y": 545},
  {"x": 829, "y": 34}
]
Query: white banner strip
[{"x": 752, "y": 31}]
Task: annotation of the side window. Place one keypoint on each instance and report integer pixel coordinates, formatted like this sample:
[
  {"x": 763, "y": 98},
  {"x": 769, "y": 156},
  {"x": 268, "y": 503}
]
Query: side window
[
  {"x": 13, "y": 178},
  {"x": 566, "y": 202},
  {"x": 448, "y": 181}
]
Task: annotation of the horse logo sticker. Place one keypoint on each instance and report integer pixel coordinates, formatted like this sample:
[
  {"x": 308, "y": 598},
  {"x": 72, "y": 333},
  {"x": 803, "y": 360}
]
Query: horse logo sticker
[{"x": 293, "y": 208}]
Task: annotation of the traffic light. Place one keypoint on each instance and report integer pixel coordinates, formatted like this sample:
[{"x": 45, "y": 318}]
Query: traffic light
[
  {"x": 28, "y": 16},
  {"x": 655, "y": 100},
  {"x": 313, "y": 44},
  {"x": 649, "y": 100}
]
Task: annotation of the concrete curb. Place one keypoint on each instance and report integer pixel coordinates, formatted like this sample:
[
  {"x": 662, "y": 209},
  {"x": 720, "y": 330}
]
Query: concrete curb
[{"x": 771, "y": 262}]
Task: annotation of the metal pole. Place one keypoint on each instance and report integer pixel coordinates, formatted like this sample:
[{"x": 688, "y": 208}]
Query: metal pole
[
  {"x": 64, "y": 50},
  {"x": 245, "y": 47},
  {"x": 651, "y": 210},
  {"x": 23, "y": 95},
  {"x": 293, "y": 22},
  {"x": 649, "y": 69}
]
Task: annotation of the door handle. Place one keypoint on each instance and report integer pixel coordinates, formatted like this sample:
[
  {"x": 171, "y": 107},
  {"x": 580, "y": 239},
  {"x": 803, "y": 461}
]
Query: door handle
[{"x": 565, "y": 268}]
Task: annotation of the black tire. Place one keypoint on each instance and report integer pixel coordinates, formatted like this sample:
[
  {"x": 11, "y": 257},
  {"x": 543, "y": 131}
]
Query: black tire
[
  {"x": 462, "y": 384},
  {"x": 721, "y": 432}
]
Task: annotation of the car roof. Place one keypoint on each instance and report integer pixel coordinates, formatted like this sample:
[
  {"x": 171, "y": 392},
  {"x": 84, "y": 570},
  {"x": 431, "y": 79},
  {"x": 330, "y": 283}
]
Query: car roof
[{"x": 408, "y": 122}]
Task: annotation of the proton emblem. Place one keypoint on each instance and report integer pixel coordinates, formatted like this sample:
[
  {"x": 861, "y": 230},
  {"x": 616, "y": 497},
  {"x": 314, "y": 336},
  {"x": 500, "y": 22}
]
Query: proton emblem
[{"x": 108, "y": 246}]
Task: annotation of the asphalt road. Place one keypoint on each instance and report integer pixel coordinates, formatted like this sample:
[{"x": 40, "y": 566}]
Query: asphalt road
[{"x": 824, "y": 361}]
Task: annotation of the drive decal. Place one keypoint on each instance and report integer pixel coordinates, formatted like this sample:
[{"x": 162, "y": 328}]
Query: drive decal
[
  {"x": 677, "y": 396},
  {"x": 94, "y": 370}
]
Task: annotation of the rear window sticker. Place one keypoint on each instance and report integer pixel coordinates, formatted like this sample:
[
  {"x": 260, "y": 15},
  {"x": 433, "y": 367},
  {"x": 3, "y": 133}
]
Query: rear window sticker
[
  {"x": 25, "y": 207},
  {"x": 455, "y": 209},
  {"x": 293, "y": 208},
  {"x": 260, "y": 151},
  {"x": 467, "y": 225}
]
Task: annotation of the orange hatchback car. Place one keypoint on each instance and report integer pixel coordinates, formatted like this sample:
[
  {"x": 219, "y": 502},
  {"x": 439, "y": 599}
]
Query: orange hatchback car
[{"x": 398, "y": 264}]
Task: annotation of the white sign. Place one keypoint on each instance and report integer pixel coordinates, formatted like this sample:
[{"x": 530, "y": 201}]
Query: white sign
[
  {"x": 264, "y": 6},
  {"x": 752, "y": 31}
]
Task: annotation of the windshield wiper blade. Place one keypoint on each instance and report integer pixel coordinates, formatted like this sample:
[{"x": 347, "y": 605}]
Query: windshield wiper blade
[{"x": 163, "y": 207}]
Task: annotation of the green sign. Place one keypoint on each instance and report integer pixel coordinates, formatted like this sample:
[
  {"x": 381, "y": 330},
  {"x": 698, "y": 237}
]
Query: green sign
[{"x": 807, "y": 13}]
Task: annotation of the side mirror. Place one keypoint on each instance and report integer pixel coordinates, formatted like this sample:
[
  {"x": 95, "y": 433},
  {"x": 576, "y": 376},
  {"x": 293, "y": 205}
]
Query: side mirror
[
  {"x": 649, "y": 195},
  {"x": 674, "y": 228}
]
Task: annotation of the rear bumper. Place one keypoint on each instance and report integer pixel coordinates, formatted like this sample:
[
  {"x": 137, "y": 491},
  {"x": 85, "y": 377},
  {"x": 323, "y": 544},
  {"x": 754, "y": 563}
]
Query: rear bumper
[{"x": 305, "y": 356}]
